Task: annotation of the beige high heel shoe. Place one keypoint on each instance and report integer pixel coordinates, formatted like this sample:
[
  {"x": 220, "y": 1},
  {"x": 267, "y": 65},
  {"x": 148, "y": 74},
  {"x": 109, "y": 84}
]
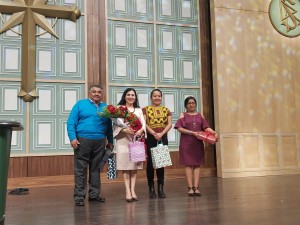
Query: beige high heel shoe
[
  {"x": 196, "y": 193},
  {"x": 191, "y": 193}
]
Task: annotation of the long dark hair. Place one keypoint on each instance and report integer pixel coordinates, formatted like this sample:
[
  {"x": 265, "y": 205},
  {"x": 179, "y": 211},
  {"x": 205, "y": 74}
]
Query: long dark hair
[
  {"x": 123, "y": 101},
  {"x": 187, "y": 100}
]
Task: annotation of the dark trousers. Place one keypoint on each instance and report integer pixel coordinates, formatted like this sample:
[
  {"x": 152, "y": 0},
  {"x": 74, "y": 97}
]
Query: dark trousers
[
  {"x": 88, "y": 154},
  {"x": 160, "y": 173}
]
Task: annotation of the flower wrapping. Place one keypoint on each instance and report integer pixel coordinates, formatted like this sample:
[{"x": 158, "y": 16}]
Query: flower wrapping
[
  {"x": 207, "y": 137},
  {"x": 160, "y": 156},
  {"x": 136, "y": 151},
  {"x": 119, "y": 122}
]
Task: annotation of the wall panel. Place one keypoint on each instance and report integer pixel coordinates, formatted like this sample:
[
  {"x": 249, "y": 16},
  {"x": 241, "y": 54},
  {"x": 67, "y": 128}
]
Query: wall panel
[
  {"x": 63, "y": 64},
  {"x": 256, "y": 88},
  {"x": 231, "y": 158},
  {"x": 64, "y": 165},
  {"x": 18, "y": 167},
  {"x": 251, "y": 155},
  {"x": 289, "y": 155}
]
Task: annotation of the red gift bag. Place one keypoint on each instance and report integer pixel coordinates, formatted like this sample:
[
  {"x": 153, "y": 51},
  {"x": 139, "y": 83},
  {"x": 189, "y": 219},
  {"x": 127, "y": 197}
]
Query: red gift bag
[{"x": 207, "y": 137}]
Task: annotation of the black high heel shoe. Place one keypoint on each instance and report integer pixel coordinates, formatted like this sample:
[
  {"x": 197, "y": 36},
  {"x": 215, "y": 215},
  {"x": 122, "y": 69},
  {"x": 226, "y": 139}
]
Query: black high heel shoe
[
  {"x": 128, "y": 199},
  {"x": 135, "y": 199}
]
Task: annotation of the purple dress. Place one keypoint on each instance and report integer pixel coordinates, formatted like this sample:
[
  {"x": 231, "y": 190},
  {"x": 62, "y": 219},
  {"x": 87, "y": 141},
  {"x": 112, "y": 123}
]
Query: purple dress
[{"x": 191, "y": 150}]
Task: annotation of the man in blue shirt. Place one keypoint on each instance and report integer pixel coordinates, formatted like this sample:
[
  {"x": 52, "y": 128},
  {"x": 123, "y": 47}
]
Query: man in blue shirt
[{"x": 88, "y": 134}]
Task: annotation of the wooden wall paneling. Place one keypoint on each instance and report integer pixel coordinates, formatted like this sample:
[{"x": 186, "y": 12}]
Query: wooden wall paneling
[
  {"x": 206, "y": 66},
  {"x": 96, "y": 43},
  {"x": 210, "y": 156},
  {"x": 102, "y": 44},
  {"x": 270, "y": 152},
  {"x": 250, "y": 152},
  {"x": 260, "y": 141},
  {"x": 206, "y": 75},
  {"x": 92, "y": 54},
  {"x": 175, "y": 161},
  {"x": 67, "y": 164},
  {"x": 231, "y": 159},
  {"x": 91, "y": 41},
  {"x": 18, "y": 167},
  {"x": 44, "y": 166}
]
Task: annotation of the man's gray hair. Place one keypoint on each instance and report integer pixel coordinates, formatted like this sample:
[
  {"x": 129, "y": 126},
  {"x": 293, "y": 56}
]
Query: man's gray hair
[{"x": 96, "y": 86}]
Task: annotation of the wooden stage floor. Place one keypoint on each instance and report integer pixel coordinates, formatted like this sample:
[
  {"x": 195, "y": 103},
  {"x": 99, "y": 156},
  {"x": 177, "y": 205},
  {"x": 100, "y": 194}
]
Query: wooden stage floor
[{"x": 271, "y": 200}]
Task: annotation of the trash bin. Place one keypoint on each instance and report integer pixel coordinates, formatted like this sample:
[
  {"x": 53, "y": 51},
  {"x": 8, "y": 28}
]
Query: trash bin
[{"x": 6, "y": 128}]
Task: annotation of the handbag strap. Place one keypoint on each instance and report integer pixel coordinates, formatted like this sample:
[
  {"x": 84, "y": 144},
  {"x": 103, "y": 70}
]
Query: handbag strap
[
  {"x": 135, "y": 138},
  {"x": 159, "y": 142}
]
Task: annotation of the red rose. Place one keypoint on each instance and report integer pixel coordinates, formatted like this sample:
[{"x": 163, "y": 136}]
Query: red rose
[
  {"x": 111, "y": 109},
  {"x": 123, "y": 108}
]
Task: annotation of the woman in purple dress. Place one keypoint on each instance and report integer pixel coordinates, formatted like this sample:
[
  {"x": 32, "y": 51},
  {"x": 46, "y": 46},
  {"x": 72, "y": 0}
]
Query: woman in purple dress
[{"x": 191, "y": 149}]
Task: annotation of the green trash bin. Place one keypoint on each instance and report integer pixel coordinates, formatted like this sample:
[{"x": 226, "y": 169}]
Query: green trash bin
[{"x": 6, "y": 128}]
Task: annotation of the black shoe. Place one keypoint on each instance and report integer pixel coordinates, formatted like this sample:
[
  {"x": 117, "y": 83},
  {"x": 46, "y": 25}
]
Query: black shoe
[
  {"x": 97, "y": 199},
  {"x": 135, "y": 199},
  {"x": 160, "y": 191},
  {"x": 152, "y": 193},
  {"x": 19, "y": 191},
  {"x": 162, "y": 195},
  {"x": 79, "y": 202}
]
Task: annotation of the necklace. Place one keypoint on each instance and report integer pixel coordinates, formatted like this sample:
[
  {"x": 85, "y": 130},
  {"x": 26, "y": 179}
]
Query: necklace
[
  {"x": 194, "y": 123},
  {"x": 132, "y": 111}
]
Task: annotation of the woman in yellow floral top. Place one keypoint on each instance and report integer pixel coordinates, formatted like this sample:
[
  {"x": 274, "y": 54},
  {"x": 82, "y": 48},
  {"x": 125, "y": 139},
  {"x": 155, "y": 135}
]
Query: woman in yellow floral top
[{"x": 159, "y": 122}]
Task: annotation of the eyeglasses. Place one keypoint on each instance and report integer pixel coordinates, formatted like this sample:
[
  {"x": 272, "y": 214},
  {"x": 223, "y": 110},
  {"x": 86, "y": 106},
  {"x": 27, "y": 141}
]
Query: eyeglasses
[{"x": 191, "y": 103}]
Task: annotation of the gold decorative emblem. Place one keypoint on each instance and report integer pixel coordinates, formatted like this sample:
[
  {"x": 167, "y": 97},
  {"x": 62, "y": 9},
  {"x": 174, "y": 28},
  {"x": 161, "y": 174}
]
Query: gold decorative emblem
[
  {"x": 30, "y": 13},
  {"x": 285, "y": 17}
]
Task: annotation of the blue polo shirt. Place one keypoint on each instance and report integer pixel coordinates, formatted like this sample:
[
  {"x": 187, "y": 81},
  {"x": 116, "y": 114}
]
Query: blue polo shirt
[{"x": 85, "y": 122}]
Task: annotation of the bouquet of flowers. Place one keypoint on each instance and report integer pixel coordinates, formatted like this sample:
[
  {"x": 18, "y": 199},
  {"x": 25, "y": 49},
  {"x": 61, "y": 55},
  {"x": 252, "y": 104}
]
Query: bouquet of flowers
[{"x": 122, "y": 117}]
